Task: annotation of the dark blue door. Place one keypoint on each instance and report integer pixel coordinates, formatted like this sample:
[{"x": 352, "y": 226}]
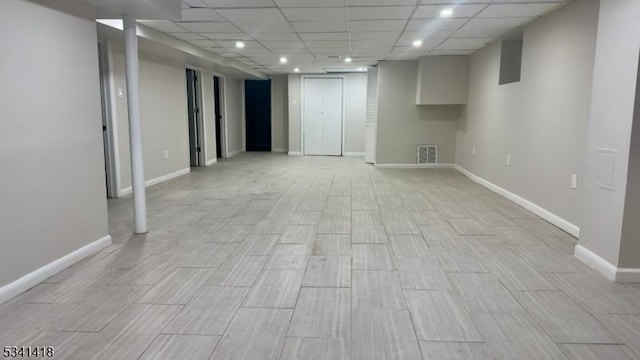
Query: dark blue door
[{"x": 258, "y": 113}]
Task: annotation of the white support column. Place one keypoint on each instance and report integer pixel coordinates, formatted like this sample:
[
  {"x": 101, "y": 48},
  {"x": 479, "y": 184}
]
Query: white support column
[{"x": 135, "y": 133}]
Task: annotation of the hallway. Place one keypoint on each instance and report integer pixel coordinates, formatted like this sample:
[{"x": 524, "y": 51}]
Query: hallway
[{"x": 267, "y": 256}]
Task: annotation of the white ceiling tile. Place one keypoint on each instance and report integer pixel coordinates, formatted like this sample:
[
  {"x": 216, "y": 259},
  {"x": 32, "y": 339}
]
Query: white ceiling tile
[
  {"x": 408, "y": 37},
  {"x": 319, "y": 26},
  {"x": 256, "y": 21},
  {"x": 283, "y": 44},
  {"x": 210, "y": 27},
  {"x": 309, "y": 3},
  {"x": 459, "y": 11},
  {"x": 325, "y": 36},
  {"x": 187, "y": 36},
  {"x": 435, "y": 24},
  {"x": 381, "y": 35},
  {"x": 227, "y": 36},
  {"x": 494, "y": 23},
  {"x": 248, "y": 45},
  {"x": 275, "y": 37},
  {"x": 326, "y": 44},
  {"x": 336, "y": 51},
  {"x": 257, "y": 53},
  {"x": 380, "y": 2},
  {"x": 479, "y": 33},
  {"x": 517, "y": 10},
  {"x": 200, "y": 14},
  {"x": 376, "y": 25},
  {"x": 193, "y": 3},
  {"x": 437, "y": 52},
  {"x": 316, "y": 14},
  {"x": 204, "y": 43},
  {"x": 455, "y": 2},
  {"x": 463, "y": 44},
  {"x": 239, "y": 3},
  {"x": 164, "y": 26},
  {"x": 380, "y": 12}
]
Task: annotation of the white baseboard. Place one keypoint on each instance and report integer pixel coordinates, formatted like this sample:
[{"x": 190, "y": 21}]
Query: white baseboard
[
  {"x": 610, "y": 271},
  {"x": 35, "y": 277},
  {"x": 233, "y": 153},
  {"x": 354, "y": 154},
  {"x": 158, "y": 180},
  {"x": 279, "y": 150},
  {"x": 414, "y": 166},
  {"x": 211, "y": 162},
  {"x": 295, "y": 153},
  {"x": 543, "y": 213}
]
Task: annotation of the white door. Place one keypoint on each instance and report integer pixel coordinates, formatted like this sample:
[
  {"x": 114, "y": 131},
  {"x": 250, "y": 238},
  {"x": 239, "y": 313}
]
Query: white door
[{"x": 322, "y": 116}]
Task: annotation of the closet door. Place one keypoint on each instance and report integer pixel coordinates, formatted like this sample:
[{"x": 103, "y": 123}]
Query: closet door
[
  {"x": 322, "y": 116},
  {"x": 332, "y": 117}
]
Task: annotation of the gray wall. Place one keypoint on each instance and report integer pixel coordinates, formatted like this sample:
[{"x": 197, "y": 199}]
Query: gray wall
[
  {"x": 279, "y": 114},
  {"x": 402, "y": 125},
  {"x": 53, "y": 198},
  {"x": 235, "y": 120},
  {"x": 163, "y": 107},
  {"x": 355, "y": 103},
  {"x": 355, "y": 113},
  {"x": 610, "y": 127},
  {"x": 540, "y": 121}
]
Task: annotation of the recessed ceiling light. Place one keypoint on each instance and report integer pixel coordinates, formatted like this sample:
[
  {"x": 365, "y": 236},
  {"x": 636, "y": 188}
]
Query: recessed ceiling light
[
  {"x": 283, "y": 60},
  {"x": 448, "y": 12},
  {"x": 417, "y": 43},
  {"x": 296, "y": 70},
  {"x": 347, "y": 60},
  {"x": 239, "y": 45}
]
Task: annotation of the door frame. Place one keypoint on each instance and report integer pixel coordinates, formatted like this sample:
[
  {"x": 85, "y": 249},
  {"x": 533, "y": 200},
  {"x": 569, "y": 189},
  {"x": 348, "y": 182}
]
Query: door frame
[
  {"x": 108, "y": 111},
  {"x": 344, "y": 108},
  {"x": 223, "y": 124},
  {"x": 201, "y": 129}
]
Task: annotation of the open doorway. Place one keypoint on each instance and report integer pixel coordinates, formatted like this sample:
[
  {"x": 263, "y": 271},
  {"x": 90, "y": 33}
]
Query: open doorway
[
  {"x": 218, "y": 101},
  {"x": 107, "y": 129},
  {"x": 258, "y": 114},
  {"x": 196, "y": 153}
]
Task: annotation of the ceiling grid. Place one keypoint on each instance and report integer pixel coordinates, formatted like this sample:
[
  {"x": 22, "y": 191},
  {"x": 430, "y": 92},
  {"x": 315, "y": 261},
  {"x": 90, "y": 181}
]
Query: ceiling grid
[{"x": 317, "y": 36}]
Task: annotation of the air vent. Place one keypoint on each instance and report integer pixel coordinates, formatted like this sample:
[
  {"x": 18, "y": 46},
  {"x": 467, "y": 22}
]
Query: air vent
[{"x": 427, "y": 154}]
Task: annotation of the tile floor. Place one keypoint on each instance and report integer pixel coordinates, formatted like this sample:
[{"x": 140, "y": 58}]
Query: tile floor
[{"x": 273, "y": 257}]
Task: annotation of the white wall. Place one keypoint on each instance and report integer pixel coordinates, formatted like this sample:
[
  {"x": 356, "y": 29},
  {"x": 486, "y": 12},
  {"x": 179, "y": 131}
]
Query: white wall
[
  {"x": 355, "y": 102},
  {"x": 610, "y": 127},
  {"x": 235, "y": 117},
  {"x": 279, "y": 114},
  {"x": 163, "y": 108},
  {"x": 52, "y": 197},
  {"x": 540, "y": 121},
  {"x": 402, "y": 125}
]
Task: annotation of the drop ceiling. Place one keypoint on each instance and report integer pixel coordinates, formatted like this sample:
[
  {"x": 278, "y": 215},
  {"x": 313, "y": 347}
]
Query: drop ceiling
[{"x": 317, "y": 35}]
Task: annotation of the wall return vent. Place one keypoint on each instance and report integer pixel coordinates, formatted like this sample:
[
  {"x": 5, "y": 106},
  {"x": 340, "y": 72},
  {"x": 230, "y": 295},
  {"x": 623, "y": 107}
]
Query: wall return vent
[{"x": 427, "y": 154}]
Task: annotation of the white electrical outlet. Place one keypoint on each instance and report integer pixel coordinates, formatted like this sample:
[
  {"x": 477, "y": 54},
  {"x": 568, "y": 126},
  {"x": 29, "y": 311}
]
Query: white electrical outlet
[
  {"x": 508, "y": 159},
  {"x": 574, "y": 181},
  {"x": 166, "y": 154},
  {"x": 473, "y": 151},
  {"x": 120, "y": 94}
]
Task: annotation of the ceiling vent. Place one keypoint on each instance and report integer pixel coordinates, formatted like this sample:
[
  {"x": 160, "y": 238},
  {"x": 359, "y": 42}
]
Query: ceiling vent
[{"x": 427, "y": 154}]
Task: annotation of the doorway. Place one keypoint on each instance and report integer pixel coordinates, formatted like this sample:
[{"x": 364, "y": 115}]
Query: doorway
[
  {"x": 107, "y": 129},
  {"x": 258, "y": 114},
  {"x": 218, "y": 102},
  {"x": 322, "y": 115},
  {"x": 196, "y": 154}
]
